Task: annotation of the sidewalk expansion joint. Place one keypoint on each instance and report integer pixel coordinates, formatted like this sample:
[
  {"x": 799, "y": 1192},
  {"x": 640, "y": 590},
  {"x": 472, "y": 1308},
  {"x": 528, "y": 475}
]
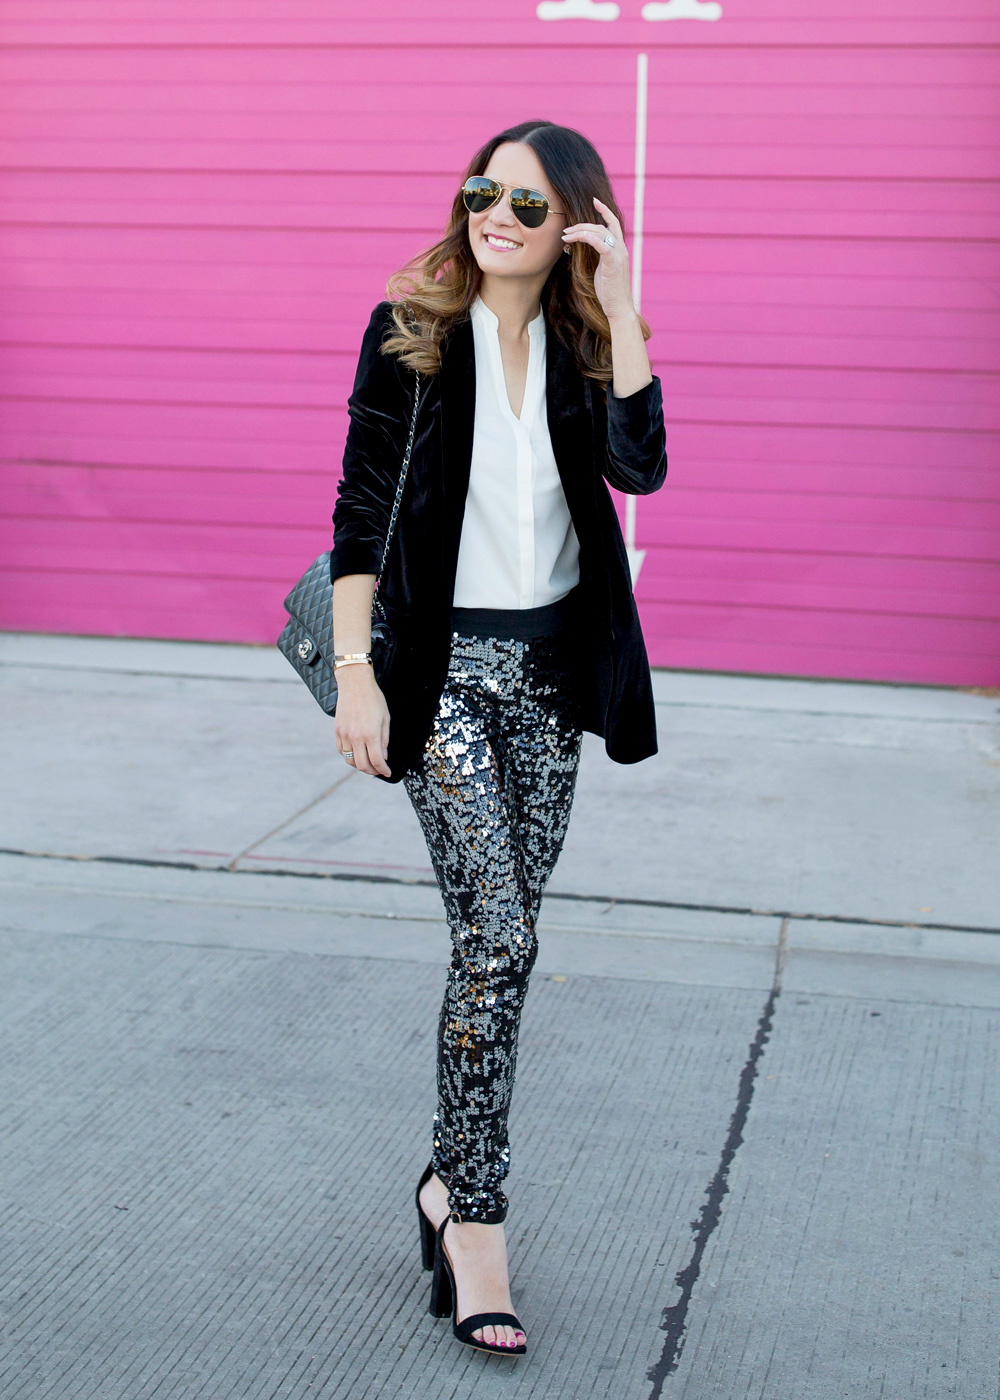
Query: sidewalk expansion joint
[
  {"x": 674, "y": 1322},
  {"x": 568, "y": 896},
  {"x": 313, "y": 802}
]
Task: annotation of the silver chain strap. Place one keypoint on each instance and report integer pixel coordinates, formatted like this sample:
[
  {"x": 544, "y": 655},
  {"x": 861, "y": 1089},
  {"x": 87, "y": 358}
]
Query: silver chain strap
[{"x": 401, "y": 483}]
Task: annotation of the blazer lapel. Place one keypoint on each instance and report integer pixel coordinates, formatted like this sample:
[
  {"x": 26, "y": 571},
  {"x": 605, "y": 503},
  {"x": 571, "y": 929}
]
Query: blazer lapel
[
  {"x": 458, "y": 417},
  {"x": 570, "y": 424}
]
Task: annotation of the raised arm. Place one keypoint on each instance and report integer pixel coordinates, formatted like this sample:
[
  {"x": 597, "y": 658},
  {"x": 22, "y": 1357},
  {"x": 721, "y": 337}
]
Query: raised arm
[{"x": 636, "y": 459}]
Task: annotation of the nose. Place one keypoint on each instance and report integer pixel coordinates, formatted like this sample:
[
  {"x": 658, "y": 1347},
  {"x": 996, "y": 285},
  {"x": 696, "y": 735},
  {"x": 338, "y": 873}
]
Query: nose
[{"x": 502, "y": 212}]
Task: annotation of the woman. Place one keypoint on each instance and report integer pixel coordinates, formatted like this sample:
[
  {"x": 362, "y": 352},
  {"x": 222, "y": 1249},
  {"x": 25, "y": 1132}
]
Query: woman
[{"x": 507, "y": 587}]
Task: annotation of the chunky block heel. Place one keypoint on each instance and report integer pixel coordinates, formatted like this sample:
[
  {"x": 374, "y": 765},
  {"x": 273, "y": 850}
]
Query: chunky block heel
[
  {"x": 428, "y": 1235},
  {"x": 441, "y": 1285}
]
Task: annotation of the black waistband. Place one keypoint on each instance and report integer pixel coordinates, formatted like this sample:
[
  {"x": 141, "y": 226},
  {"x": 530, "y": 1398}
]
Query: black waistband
[{"x": 516, "y": 624}]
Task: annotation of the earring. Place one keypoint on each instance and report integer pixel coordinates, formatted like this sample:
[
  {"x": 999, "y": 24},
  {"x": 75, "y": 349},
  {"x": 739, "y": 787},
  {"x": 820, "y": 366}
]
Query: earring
[{"x": 568, "y": 251}]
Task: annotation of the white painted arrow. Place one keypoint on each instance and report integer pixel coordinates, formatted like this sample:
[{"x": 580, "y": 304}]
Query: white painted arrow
[
  {"x": 578, "y": 9},
  {"x": 636, "y": 556},
  {"x": 682, "y": 9}
]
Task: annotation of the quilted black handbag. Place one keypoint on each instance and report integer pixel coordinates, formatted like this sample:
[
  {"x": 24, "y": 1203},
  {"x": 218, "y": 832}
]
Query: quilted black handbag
[{"x": 307, "y": 637}]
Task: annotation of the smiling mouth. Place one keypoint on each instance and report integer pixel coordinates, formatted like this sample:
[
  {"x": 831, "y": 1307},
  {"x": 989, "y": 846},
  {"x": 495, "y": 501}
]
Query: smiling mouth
[{"x": 504, "y": 245}]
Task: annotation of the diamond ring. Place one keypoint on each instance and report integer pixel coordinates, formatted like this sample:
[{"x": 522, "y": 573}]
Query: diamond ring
[
  {"x": 348, "y": 753},
  {"x": 610, "y": 240}
]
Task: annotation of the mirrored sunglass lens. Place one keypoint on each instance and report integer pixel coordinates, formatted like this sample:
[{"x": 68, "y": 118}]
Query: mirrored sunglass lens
[
  {"x": 479, "y": 193},
  {"x": 530, "y": 206}
]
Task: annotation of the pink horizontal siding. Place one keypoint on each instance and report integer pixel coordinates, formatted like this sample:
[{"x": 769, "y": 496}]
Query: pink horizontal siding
[
  {"x": 447, "y": 24},
  {"x": 202, "y": 200}
]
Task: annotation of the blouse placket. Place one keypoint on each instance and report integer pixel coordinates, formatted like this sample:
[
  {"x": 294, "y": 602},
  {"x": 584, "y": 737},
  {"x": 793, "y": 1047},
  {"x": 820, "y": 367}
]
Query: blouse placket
[
  {"x": 517, "y": 521},
  {"x": 522, "y": 428}
]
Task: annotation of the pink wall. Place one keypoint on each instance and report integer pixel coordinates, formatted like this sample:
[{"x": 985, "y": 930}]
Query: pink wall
[{"x": 202, "y": 200}]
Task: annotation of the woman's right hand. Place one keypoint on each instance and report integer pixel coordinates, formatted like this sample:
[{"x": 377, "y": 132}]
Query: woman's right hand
[{"x": 361, "y": 723}]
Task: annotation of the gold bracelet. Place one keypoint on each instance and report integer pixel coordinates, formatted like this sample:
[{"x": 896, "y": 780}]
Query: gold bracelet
[{"x": 355, "y": 658}]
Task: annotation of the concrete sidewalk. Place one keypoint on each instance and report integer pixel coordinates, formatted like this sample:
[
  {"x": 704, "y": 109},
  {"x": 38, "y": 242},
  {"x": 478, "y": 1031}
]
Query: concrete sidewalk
[{"x": 755, "y": 1126}]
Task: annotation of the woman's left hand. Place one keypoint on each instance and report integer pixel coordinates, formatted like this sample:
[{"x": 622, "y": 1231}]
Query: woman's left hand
[{"x": 611, "y": 279}]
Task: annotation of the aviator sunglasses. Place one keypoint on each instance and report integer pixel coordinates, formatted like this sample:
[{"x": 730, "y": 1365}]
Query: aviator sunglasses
[{"x": 529, "y": 207}]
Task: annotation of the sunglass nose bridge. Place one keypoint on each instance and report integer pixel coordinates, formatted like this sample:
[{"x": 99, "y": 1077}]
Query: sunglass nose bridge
[{"x": 504, "y": 199}]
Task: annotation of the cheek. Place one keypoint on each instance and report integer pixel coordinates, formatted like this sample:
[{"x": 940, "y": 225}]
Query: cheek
[
  {"x": 473, "y": 231},
  {"x": 547, "y": 242},
  {"x": 477, "y": 223}
]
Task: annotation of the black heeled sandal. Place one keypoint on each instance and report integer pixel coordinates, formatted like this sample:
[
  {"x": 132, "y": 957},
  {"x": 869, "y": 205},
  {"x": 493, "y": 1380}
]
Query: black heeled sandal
[
  {"x": 444, "y": 1303},
  {"x": 428, "y": 1234}
]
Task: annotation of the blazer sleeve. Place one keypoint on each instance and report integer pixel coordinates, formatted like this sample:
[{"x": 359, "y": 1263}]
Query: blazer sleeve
[
  {"x": 636, "y": 457},
  {"x": 376, "y": 439}
]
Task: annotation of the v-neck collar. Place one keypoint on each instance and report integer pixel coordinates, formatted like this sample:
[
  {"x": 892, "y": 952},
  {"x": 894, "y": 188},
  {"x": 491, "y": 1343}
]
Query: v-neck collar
[{"x": 534, "y": 379}]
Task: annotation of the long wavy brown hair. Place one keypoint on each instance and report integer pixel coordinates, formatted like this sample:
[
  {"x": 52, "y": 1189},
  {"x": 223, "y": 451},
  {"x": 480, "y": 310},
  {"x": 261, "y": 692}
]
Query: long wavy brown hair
[{"x": 435, "y": 290}]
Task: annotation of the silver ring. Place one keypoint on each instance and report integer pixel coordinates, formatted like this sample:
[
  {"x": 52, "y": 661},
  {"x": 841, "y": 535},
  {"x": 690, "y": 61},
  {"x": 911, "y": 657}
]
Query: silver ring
[
  {"x": 610, "y": 240},
  {"x": 348, "y": 753}
]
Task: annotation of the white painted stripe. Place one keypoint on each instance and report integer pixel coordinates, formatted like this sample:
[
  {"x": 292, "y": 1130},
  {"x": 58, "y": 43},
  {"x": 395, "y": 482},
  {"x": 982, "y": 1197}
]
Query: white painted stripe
[
  {"x": 641, "y": 103},
  {"x": 638, "y": 210}
]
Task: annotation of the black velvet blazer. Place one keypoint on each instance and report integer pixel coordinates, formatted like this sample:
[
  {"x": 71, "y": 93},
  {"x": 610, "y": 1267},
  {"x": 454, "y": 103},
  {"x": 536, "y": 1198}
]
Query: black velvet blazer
[{"x": 595, "y": 439}]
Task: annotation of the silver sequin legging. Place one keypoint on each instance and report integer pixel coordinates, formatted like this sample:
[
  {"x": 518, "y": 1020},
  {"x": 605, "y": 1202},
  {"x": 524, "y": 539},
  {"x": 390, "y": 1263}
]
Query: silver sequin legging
[{"x": 493, "y": 791}]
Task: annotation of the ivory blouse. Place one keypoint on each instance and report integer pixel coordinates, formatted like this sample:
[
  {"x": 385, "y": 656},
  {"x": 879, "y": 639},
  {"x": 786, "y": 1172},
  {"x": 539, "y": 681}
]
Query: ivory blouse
[{"x": 518, "y": 547}]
